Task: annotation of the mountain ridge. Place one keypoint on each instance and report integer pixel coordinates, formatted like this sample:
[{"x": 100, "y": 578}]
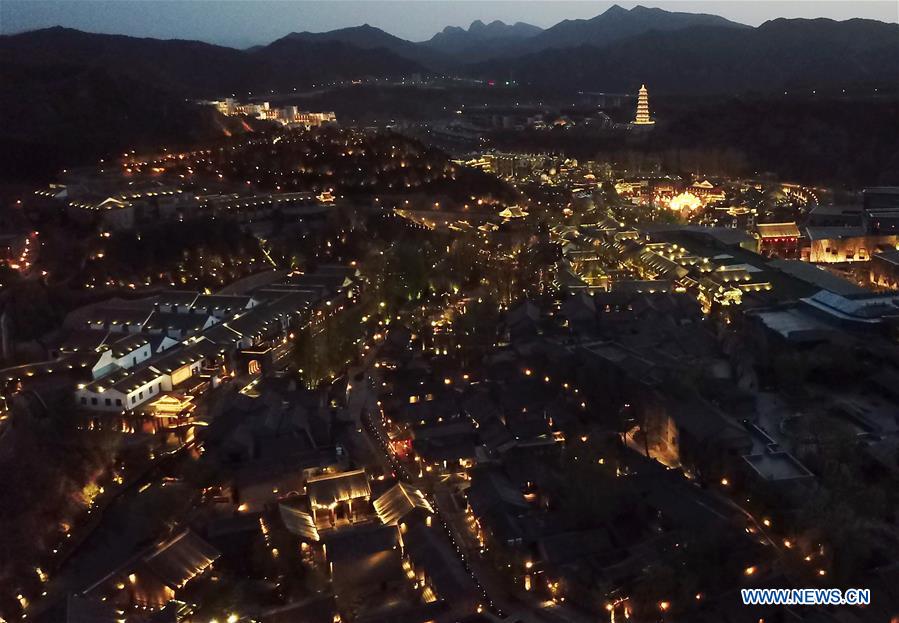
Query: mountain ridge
[
  {"x": 134, "y": 91},
  {"x": 709, "y": 59},
  {"x": 367, "y": 37},
  {"x": 617, "y": 23},
  {"x": 614, "y": 24},
  {"x": 703, "y": 57}
]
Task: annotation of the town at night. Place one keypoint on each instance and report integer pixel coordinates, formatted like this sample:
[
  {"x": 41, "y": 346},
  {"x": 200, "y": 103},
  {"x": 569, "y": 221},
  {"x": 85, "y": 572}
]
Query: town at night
[{"x": 568, "y": 313}]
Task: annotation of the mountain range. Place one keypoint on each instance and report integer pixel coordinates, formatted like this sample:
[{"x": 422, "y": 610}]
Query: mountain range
[
  {"x": 780, "y": 55},
  {"x": 616, "y": 50},
  {"x": 455, "y": 46},
  {"x": 498, "y": 40},
  {"x": 52, "y": 78}
]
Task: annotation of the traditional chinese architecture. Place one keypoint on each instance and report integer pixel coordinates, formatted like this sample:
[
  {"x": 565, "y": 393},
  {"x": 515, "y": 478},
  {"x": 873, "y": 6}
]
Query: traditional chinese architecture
[
  {"x": 778, "y": 239},
  {"x": 332, "y": 496},
  {"x": 643, "y": 117}
]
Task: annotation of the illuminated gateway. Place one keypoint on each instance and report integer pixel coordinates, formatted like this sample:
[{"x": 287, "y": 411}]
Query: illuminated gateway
[{"x": 643, "y": 108}]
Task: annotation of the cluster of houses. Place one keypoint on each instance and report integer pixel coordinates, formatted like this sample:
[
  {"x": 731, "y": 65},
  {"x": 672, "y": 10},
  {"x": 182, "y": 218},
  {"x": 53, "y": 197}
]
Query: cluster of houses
[
  {"x": 121, "y": 203},
  {"x": 639, "y": 382},
  {"x": 858, "y": 233},
  {"x": 719, "y": 267},
  {"x": 143, "y": 364},
  {"x": 289, "y": 115},
  {"x": 292, "y": 501},
  {"x": 834, "y": 234},
  {"x": 665, "y": 189},
  {"x": 498, "y": 435}
]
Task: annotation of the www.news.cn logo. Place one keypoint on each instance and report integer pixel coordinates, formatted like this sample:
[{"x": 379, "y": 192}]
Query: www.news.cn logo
[{"x": 806, "y": 597}]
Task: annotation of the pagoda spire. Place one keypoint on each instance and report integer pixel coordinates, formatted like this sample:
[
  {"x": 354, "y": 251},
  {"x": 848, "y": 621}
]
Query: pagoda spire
[{"x": 643, "y": 117}]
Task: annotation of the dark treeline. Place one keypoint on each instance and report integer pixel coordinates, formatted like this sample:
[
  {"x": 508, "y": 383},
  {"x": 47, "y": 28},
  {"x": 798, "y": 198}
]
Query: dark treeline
[{"x": 849, "y": 143}]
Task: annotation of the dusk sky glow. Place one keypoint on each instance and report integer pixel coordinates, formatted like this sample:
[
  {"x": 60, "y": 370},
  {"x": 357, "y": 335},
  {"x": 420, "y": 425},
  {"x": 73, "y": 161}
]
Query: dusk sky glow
[{"x": 246, "y": 23}]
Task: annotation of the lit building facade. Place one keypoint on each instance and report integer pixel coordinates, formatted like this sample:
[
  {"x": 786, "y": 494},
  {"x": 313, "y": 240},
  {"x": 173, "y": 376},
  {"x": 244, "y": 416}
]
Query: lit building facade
[{"x": 778, "y": 239}]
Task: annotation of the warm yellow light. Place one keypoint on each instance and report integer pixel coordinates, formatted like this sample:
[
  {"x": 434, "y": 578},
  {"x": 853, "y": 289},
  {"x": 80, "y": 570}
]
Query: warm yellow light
[{"x": 685, "y": 201}]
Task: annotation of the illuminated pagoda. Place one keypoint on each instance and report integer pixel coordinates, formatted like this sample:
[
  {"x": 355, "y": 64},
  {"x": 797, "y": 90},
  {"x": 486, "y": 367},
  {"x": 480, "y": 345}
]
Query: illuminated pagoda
[{"x": 643, "y": 108}]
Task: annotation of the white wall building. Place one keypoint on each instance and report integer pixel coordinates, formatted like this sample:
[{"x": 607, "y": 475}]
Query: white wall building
[{"x": 123, "y": 354}]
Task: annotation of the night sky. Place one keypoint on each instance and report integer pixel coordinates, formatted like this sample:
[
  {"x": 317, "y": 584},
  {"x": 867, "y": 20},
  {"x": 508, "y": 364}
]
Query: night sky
[{"x": 252, "y": 22}]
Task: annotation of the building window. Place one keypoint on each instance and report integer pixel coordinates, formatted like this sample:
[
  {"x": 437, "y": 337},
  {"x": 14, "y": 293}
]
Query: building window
[
  {"x": 93, "y": 401},
  {"x": 133, "y": 399},
  {"x": 83, "y": 400},
  {"x": 140, "y": 395},
  {"x": 109, "y": 402},
  {"x": 118, "y": 402}
]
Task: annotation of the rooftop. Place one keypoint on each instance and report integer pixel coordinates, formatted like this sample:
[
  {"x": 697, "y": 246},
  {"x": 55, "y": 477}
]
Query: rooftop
[
  {"x": 891, "y": 257},
  {"x": 298, "y": 522},
  {"x": 234, "y": 302},
  {"x": 180, "y": 559},
  {"x": 327, "y": 490},
  {"x": 775, "y": 466},
  {"x": 399, "y": 501},
  {"x": 777, "y": 230},
  {"x": 183, "y": 322},
  {"x": 818, "y": 277},
  {"x": 867, "y": 309},
  {"x": 794, "y": 324},
  {"x": 830, "y": 233},
  {"x": 127, "y": 345},
  {"x": 360, "y": 541}
]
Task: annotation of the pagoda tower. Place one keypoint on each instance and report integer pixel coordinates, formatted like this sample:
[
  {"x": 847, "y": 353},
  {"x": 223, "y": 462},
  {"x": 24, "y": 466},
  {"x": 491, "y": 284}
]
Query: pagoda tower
[{"x": 643, "y": 108}]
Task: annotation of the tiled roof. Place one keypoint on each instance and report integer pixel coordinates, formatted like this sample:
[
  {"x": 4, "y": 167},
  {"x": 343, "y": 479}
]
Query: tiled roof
[
  {"x": 778, "y": 230},
  {"x": 399, "y": 501},
  {"x": 332, "y": 488},
  {"x": 180, "y": 559}
]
